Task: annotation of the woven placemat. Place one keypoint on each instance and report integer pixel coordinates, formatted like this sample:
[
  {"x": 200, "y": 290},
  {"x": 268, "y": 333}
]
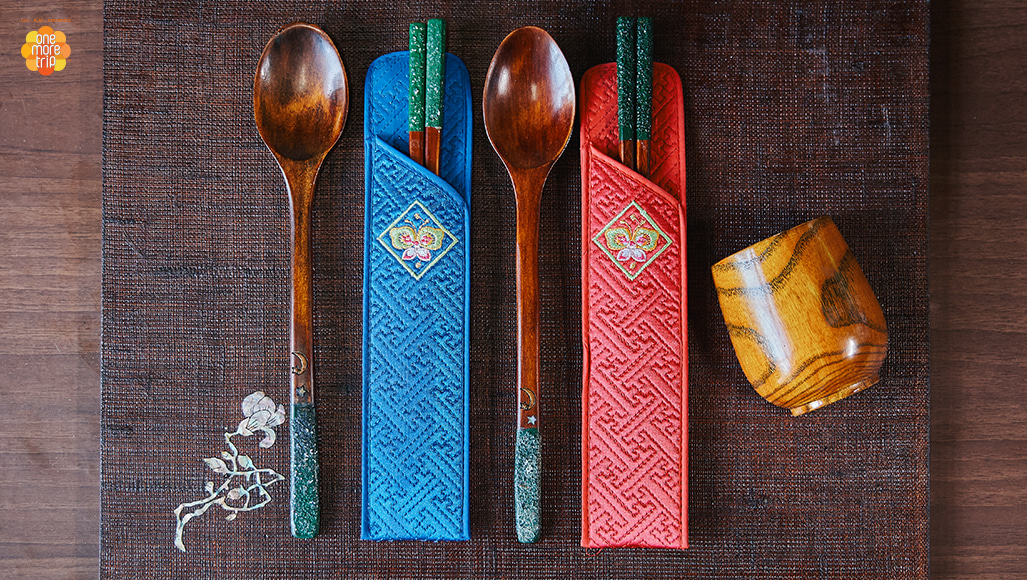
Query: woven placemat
[{"x": 791, "y": 112}]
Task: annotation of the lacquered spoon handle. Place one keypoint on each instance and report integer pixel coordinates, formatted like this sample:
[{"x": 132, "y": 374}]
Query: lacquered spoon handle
[
  {"x": 528, "y": 457},
  {"x": 304, "y": 486},
  {"x": 528, "y": 460}
]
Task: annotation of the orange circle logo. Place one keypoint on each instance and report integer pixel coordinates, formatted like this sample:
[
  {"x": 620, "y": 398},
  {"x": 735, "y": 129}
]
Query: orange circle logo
[{"x": 45, "y": 50}]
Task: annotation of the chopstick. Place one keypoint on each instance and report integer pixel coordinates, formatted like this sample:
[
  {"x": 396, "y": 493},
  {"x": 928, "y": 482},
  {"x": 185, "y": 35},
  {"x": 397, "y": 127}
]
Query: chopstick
[
  {"x": 635, "y": 91},
  {"x": 626, "y": 60},
  {"x": 434, "y": 93},
  {"x": 644, "y": 94},
  {"x": 418, "y": 48}
]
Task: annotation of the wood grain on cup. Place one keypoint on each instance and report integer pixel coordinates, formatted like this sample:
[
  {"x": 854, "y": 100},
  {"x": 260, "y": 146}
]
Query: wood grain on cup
[{"x": 802, "y": 317}]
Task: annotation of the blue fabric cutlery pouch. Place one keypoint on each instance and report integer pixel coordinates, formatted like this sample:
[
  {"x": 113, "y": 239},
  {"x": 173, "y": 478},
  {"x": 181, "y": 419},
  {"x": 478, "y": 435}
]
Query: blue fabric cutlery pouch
[{"x": 416, "y": 314}]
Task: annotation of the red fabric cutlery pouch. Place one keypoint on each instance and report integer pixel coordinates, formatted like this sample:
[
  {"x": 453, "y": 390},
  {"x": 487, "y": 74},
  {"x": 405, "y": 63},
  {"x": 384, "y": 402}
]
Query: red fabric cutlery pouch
[{"x": 634, "y": 324}]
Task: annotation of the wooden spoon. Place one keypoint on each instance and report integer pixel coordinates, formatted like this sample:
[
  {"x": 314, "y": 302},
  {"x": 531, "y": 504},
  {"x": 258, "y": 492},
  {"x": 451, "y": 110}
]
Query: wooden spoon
[
  {"x": 529, "y": 115},
  {"x": 300, "y": 101}
]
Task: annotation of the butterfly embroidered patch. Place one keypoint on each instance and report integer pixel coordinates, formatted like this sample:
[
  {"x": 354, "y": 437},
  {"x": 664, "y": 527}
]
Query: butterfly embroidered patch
[
  {"x": 632, "y": 240},
  {"x": 417, "y": 240}
]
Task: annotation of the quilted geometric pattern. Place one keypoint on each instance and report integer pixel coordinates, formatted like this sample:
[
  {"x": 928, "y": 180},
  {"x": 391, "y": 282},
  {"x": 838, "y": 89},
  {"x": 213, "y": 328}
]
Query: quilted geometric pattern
[
  {"x": 415, "y": 443},
  {"x": 635, "y": 386}
]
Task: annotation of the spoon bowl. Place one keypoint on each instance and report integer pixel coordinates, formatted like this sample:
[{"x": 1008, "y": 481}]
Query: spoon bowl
[
  {"x": 300, "y": 102},
  {"x": 300, "y": 93},
  {"x": 529, "y": 100},
  {"x": 528, "y": 107}
]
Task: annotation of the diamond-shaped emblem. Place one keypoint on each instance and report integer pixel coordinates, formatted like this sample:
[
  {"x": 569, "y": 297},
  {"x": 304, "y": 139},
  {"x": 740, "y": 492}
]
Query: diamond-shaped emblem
[
  {"x": 417, "y": 240},
  {"x": 632, "y": 240}
]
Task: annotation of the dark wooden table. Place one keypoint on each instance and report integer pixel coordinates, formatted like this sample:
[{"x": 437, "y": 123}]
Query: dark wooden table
[{"x": 50, "y": 193}]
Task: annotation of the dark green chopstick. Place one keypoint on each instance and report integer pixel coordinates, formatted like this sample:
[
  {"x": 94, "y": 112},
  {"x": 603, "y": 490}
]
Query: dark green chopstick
[
  {"x": 626, "y": 60},
  {"x": 418, "y": 48},
  {"x": 434, "y": 93},
  {"x": 644, "y": 94}
]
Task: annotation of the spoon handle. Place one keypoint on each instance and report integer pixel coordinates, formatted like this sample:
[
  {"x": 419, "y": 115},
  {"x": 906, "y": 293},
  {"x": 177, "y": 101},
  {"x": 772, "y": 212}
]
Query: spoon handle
[
  {"x": 528, "y": 457},
  {"x": 304, "y": 487}
]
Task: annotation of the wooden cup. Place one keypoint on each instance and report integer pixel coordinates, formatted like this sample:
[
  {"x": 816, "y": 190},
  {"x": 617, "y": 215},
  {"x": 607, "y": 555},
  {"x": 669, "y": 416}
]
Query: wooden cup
[{"x": 806, "y": 327}]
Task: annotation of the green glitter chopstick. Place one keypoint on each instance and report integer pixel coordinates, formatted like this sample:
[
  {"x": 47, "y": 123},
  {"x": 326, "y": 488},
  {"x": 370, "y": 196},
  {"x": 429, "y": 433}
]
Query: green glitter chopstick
[
  {"x": 626, "y": 61},
  {"x": 434, "y": 94},
  {"x": 644, "y": 95},
  {"x": 418, "y": 48}
]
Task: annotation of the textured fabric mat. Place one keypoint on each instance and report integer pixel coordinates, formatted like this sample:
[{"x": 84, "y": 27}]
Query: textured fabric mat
[{"x": 791, "y": 112}]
